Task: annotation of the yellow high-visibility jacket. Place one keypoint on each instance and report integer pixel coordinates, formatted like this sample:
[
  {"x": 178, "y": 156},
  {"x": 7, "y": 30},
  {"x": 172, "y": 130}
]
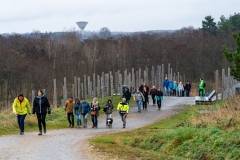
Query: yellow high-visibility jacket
[
  {"x": 123, "y": 107},
  {"x": 21, "y": 108}
]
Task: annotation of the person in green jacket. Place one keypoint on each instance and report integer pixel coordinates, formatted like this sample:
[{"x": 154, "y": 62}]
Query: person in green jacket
[
  {"x": 123, "y": 109},
  {"x": 21, "y": 107},
  {"x": 201, "y": 87}
]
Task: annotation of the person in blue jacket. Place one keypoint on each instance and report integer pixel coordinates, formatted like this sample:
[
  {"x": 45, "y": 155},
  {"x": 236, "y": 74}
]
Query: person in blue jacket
[
  {"x": 78, "y": 111},
  {"x": 175, "y": 85},
  {"x": 170, "y": 87},
  {"x": 85, "y": 110},
  {"x": 166, "y": 86}
]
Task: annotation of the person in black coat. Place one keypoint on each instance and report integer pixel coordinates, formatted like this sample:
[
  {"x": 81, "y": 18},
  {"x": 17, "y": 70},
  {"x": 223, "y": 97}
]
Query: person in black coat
[
  {"x": 41, "y": 107},
  {"x": 126, "y": 93},
  {"x": 187, "y": 88},
  {"x": 153, "y": 93},
  {"x": 146, "y": 100}
]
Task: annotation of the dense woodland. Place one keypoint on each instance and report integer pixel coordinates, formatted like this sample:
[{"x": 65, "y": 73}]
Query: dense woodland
[{"x": 32, "y": 60}]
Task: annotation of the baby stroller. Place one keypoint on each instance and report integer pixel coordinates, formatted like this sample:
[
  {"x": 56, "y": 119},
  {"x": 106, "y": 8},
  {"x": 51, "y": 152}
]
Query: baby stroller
[{"x": 109, "y": 121}]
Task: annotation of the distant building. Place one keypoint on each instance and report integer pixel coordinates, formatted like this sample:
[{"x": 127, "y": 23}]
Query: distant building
[{"x": 105, "y": 33}]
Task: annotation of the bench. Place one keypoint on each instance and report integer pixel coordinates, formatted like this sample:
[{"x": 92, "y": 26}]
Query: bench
[{"x": 206, "y": 99}]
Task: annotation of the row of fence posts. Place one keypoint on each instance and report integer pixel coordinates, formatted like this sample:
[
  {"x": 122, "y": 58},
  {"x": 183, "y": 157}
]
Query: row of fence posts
[
  {"x": 110, "y": 83},
  {"x": 107, "y": 84},
  {"x": 224, "y": 86}
]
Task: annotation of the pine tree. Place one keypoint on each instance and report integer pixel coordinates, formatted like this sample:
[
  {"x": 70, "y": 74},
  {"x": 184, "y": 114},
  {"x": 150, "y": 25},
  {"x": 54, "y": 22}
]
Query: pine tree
[{"x": 209, "y": 25}]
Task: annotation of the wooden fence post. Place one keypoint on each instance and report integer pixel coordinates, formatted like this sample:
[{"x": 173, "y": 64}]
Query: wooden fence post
[
  {"x": 216, "y": 83},
  {"x": 78, "y": 87},
  {"x": 85, "y": 86},
  {"x": 94, "y": 85},
  {"x": 111, "y": 84},
  {"x": 54, "y": 92},
  {"x": 98, "y": 86}
]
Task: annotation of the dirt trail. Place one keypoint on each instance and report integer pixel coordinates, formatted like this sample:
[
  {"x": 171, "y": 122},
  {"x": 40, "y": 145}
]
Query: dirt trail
[{"x": 71, "y": 144}]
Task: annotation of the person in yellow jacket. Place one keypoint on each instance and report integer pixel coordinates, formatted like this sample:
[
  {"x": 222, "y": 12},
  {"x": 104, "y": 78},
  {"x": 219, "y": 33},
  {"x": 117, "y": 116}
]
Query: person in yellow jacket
[
  {"x": 123, "y": 109},
  {"x": 21, "y": 107}
]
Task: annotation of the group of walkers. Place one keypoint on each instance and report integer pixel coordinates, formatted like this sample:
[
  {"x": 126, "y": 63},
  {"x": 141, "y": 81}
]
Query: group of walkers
[
  {"x": 141, "y": 97},
  {"x": 74, "y": 108},
  {"x": 174, "y": 88},
  {"x": 80, "y": 110},
  {"x": 41, "y": 106}
]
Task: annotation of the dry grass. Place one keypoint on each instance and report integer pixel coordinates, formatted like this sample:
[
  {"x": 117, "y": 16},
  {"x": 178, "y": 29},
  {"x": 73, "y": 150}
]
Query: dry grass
[{"x": 225, "y": 117}]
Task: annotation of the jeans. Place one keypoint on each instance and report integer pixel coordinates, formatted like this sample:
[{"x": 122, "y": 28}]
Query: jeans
[
  {"x": 159, "y": 103},
  {"x": 187, "y": 93},
  {"x": 70, "y": 118},
  {"x": 166, "y": 91},
  {"x": 145, "y": 103},
  {"x": 139, "y": 105},
  {"x": 124, "y": 117},
  {"x": 153, "y": 99},
  {"x": 180, "y": 93},
  {"x": 41, "y": 122},
  {"x": 20, "y": 120},
  {"x": 174, "y": 92},
  {"x": 79, "y": 121},
  {"x": 84, "y": 120},
  {"x": 94, "y": 120}
]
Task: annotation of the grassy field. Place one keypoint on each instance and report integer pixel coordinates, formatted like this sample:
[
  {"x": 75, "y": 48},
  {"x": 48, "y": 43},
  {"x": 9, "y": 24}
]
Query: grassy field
[
  {"x": 56, "y": 120},
  {"x": 199, "y": 132}
]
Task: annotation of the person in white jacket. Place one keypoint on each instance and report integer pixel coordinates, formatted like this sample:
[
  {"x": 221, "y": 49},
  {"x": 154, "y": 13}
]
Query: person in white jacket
[{"x": 180, "y": 89}]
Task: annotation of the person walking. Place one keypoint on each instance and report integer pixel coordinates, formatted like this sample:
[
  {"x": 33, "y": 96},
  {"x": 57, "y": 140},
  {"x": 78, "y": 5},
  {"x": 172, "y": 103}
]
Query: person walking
[
  {"x": 126, "y": 93},
  {"x": 170, "y": 87},
  {"x": 78, "y": 111},
  {"x": 95, "y": 108},
  {"x": 108, "y": 110},
  {"x": 141, "y": 88},
  {"x": 123, "y": 109},
  {"x": 180, "y": 89},
  {"x": 84, "y": 113},
  {"x": 41, "y": 107},
  {"x": 146, "y": 99},
  {"x": 175, "y": 85},
  {"x": 201, "y": 87},
  {"x": 159, "y": 98},
  {"x": 21, "y": 107},
  {"x": 187, "y": 88},
  {"x": 166, "y": 86},
  {"x": 69, "y": 111},
  {"x": 139, "y": 99},
  {"x": 153, "y": 93}
]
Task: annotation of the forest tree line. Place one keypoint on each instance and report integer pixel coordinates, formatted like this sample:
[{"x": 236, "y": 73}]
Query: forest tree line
[{"x": 33, "y": 60}]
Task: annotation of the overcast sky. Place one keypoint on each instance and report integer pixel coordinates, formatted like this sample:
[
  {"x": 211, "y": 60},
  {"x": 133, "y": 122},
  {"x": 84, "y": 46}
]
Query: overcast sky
[{"x": 118, "y": 15}]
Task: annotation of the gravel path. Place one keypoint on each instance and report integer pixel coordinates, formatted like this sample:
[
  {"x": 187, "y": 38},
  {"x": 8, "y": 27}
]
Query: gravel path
[{"x": 71, "y": 144}]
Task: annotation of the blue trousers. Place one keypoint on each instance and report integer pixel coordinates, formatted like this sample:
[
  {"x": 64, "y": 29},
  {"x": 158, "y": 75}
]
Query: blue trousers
[
  {"x": 20, "y": 120},
  {"x": 95, "y": 120},
  {"x": 79, "y": 121},
  {"x": 139, "y": 105}
]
